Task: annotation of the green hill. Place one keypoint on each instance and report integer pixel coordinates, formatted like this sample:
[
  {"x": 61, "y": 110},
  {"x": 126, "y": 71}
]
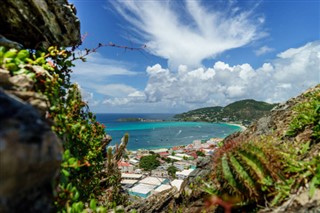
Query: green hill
[{"x": 244, "y": 112}]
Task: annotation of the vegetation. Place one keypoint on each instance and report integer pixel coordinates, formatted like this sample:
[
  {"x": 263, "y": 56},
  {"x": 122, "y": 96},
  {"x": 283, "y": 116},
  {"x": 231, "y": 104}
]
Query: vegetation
[
  {"x": 244, "y": 112},
  {"x": 172, "y": 171},
  {"x": 201, "y": 154},
  {"x": 84, "y": 139},
  {"x": 149, "y": 162},
  {"x": 266, "y": 170}
]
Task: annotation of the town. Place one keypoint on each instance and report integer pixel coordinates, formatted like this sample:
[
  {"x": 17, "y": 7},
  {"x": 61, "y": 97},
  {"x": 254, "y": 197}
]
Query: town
[{"x": 146, "y": 172}]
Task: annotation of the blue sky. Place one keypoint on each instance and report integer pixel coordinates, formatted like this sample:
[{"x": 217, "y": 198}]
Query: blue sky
[{"x": 198, "y": 53}]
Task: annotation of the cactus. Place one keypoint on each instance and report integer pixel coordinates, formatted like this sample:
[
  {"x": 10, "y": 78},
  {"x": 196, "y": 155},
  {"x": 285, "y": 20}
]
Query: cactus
[
  {"x": 243, "y": 169},
  {"x": 121, "y": 149}
]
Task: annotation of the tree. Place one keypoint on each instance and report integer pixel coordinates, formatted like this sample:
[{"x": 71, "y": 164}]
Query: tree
[
  {"x": 201, "y": 154},
  {"x": 149, "y": 162},
  {"x": 172, "y": 171}
]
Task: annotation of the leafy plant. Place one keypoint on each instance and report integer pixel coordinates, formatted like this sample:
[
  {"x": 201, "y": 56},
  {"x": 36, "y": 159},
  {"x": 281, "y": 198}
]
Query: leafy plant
[
  {"x": 82, "y": 136},
  {"x": 247, "y": 170},
  {"x": 307, "y": 114}
]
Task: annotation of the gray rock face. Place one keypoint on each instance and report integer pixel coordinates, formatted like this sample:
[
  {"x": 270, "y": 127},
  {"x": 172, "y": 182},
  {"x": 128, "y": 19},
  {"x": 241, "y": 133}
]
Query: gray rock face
[
  {"x": 35, "y": 23},
  {"x": 30, "y": 155}
]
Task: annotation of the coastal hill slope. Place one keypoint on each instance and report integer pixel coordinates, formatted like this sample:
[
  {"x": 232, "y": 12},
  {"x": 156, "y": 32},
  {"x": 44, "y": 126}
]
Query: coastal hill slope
[
  {"x": 272, "y": 166},
  {"x": 244, "y": 112}
]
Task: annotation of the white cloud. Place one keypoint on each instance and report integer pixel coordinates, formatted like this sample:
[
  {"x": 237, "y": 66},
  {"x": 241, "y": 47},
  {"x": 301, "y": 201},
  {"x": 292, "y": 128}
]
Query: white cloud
[
  {"x": 189, "y": 33},
  {"x": 288, "y": 75},
  {"x": 263, "y": 50},
  {"x": 98, "y": 68},
  {"x": 95, "y": 74}
]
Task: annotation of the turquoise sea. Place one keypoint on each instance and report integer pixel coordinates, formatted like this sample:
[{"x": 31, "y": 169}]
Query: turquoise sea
[{"x": 164, "y": 134}]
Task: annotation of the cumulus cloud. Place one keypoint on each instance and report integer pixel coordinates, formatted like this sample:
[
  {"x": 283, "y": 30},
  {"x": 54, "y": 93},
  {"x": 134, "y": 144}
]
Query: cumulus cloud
[
  {"x": 289, "y": 74},
  {"x": 263, "y": 50},
  {"x": 187, "y": 33}
]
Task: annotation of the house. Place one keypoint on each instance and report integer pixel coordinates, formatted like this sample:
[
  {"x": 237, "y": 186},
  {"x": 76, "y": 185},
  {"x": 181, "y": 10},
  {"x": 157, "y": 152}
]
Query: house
[
  {"x": 162, "y": 188},
  {"x": 154, "y": 181},
  {"x": 133, "y": 161},
  {"x": 163, "y": 154},
  {"x": 142, "y": 190},
  {"x": 128, "y": 182},
  {"x": 184, "y": 174},
  {"x": 177, "y": 183},
  {"x": 184, "y": 156},
  {"x": 125, "y": 167},
  {"x": 159, "y": 173},
  {"x": 175, "y": 158},
  {"x": 158, "y": 151},
  {"x": 131, "y": 176}
]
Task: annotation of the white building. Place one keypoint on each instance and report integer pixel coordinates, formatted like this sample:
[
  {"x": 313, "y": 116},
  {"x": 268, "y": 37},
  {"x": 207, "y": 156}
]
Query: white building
[
  {"x": 175, "y": 158},
  {"x": 131, "y": 176},
  {"x": 142, "y": 190},
  {"x": 184, "y": 156},
  {"x": 159, "y": 173},
  {"x": 153, "y": 181},
  {"x": 162, "y": 188},
  {"x": 159, "y": 150},
  {"x": 184, "y": 174},
  {"x": 177, "y": 183}
]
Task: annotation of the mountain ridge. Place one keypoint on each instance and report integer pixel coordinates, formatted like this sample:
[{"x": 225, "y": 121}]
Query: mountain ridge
[{"x": 243, "y": 112}]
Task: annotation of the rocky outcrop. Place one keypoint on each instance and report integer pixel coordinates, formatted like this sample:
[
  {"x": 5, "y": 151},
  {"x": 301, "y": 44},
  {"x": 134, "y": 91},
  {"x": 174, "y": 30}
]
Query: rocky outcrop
[
  {"x": 30, "y": 155},
  {"x": 35, "y": 23}
]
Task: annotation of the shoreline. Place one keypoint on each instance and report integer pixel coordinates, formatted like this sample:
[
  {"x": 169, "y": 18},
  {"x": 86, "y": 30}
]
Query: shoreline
[{"x": 238, "y": 125}]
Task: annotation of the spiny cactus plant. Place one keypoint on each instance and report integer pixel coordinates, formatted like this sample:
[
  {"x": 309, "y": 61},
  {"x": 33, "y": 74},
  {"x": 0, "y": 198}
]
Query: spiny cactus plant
[
  {"x": 112, "y": 174},
  {"x": 247, "y": 170}
]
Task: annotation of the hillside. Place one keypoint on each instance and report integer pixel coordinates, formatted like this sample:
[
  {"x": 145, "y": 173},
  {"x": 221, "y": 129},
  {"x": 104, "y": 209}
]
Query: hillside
[
  {"x": 244, "y": 112},
  {"x": 272, "y": 166}
]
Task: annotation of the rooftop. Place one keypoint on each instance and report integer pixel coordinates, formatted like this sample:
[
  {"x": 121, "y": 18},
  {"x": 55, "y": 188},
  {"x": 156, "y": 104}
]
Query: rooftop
[
  {"x": 132, "y": 176},
  {"x": 162, "y": 188},
  {"x": 177, "y": 183},
  {"x": 122, "y": 164},
  {"x": 152, "y": 181},
  {"x": 186, "y": 172},
  {"x": 128, "y": 181},
  {"x": 175, "y": 158},
  {"x": 142, "y": 188}
]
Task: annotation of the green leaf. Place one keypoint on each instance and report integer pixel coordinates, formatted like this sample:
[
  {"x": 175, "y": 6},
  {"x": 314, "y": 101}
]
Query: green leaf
[
  {"x": 93, "y": 204},
  {"x": 65, "y": 172},
  {"x": 23, "y": 54},
  {"x": 11, "y": 53}
]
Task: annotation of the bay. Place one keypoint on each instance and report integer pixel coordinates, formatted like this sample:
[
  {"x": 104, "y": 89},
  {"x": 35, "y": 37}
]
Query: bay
[{"x": 161, "y": 134}]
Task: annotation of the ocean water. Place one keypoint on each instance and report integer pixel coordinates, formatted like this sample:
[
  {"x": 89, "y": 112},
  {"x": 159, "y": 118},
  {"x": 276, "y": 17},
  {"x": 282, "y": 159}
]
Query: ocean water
[{"x": 164, "y": 134}]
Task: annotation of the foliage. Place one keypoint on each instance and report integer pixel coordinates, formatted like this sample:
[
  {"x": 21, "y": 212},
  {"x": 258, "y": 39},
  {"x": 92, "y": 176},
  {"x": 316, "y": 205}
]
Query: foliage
[
  {"x": 199, "y": 153},
  {"x": 149, "y": 162},
  {"x": 247, "y": 170},
  {"x": 172, "y": 171},
  {"x": 307, "y": 114},
  {"x": 82, "y": 135},
  {"x": 269, "y": 170}
]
